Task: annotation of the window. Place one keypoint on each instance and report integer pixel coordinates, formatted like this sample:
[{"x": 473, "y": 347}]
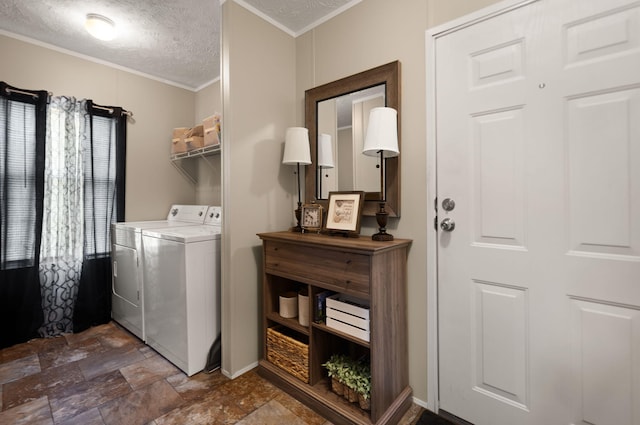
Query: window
[
  {"x": 61, "y": 187},
  {"x": 18, "y": 188},
  {"x": 101, "y": 202}
]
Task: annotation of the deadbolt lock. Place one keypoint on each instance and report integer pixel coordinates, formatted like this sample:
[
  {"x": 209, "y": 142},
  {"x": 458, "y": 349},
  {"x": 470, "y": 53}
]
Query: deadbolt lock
[{"x": 448, "y": 204}]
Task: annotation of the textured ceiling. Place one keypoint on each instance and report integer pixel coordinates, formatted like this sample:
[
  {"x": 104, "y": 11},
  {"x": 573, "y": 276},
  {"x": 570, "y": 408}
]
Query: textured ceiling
[
  {"x": 297, "y": 16},
  {"x": 177, "y": 41}
]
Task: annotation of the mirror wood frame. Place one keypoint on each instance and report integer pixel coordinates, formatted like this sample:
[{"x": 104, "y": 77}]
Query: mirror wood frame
[{"x": 389, "y": 75}]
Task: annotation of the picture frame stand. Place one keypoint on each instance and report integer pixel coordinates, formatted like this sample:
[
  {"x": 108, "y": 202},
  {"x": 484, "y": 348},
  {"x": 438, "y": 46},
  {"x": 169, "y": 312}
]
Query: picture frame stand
[{"x": 344, "y": 212}]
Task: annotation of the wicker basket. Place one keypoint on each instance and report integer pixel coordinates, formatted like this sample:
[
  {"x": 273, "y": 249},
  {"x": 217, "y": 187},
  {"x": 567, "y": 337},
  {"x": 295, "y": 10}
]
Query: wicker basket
[
  {"x": 288, "y": 353},
  {"x": 337, "y": 386},
  {"x": 365, "y": 404}
]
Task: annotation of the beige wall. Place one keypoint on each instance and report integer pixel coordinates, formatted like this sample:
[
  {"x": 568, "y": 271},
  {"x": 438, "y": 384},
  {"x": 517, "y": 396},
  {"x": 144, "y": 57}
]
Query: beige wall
[
  {"x": 265, "y": 74},
  {"x": 208, "y": 101},
  {"x": 440, "y": 11},
  {"x": 258, "y": 85},
  {"x": 152, "y": 183},
  {"x": 372, "y": 33}
]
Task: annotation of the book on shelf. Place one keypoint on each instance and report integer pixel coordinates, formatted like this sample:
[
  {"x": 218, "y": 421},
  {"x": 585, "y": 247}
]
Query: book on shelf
[{"x": 320, "y": 306}]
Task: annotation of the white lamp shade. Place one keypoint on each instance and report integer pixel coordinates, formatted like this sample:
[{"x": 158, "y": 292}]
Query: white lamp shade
[
  {"x": 325, "y": 151},
  {"x": 382, "y": 133},
  {"x": 100, "y": 27},
  {"x": 296, "y": 147}
]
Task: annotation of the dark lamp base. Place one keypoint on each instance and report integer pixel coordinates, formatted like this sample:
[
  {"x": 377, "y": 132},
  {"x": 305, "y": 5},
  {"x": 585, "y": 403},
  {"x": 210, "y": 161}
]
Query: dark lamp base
[
  {"x": 298, "y": 213},
  {"x": 381, "y": 217},
  {"x": 382, "y": 237}
]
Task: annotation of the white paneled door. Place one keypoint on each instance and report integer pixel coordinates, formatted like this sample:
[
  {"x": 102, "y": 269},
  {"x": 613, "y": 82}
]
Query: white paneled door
[{"x": 538, "y": 147}]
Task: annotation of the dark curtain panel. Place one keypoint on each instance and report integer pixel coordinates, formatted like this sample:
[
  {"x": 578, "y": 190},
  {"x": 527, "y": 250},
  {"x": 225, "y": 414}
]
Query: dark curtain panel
[
  {"x": 104, "y": 165},
  {"x": 22, "y": 160}
]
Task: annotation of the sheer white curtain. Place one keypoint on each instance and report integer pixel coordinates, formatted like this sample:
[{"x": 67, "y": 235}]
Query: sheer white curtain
[{"x": 61, "y": 252}]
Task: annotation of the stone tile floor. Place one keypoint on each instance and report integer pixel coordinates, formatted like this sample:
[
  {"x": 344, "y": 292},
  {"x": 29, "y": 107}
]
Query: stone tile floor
[{"x": 105, "y": 376}]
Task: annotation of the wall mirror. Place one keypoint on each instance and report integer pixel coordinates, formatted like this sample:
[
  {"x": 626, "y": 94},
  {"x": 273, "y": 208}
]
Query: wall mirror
[{"x": 337, "y": 115}]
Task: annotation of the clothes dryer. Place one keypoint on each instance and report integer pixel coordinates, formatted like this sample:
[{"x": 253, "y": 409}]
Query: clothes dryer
[
  {"x": 126, "y": 255},
  {"x": 182, "y": 291}
]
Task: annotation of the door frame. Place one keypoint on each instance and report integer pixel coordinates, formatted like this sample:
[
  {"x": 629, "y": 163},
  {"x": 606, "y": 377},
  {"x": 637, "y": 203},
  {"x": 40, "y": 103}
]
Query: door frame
[{"x": 431, "y": 37}]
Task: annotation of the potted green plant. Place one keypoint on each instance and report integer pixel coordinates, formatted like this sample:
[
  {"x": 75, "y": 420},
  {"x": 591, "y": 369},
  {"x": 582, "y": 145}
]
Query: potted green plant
[
  {"x": 363, "y": 387},
  {"x": 336, "y": 366},
  {"x": 350, "y": 378}
]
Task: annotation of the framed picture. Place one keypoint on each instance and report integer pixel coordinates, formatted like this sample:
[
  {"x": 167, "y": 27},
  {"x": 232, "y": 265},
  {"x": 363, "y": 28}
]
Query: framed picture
[
  {"x": 311, "y": 218},
  {"x": 344, "y": 211}
]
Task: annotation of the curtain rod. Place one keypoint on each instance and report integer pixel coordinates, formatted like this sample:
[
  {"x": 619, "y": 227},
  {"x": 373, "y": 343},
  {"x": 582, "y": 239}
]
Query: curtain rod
[
  {"x": 110, "y": 110},
  {"x": 35, "y": 96}
]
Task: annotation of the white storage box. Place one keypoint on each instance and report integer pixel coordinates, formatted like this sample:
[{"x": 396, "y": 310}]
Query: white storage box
[{"x": 349, "y": 315}]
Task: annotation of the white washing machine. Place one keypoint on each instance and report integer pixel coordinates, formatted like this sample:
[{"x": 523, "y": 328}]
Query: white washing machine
[
  {"x": 182, "y": 291},
  {"x": 127, "y": 273}
]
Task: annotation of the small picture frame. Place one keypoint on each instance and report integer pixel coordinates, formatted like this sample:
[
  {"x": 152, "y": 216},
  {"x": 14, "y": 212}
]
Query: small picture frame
[
  {"x": 344, "y": 212},
  {"x": 311, "y": 218}
]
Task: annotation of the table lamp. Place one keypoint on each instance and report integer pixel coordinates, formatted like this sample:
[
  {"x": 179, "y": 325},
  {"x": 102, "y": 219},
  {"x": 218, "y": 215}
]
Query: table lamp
[
  {"x": 325, "y": 157},
  {"x": 296, "y": 152},
  {"x": 382, "y": 140}
]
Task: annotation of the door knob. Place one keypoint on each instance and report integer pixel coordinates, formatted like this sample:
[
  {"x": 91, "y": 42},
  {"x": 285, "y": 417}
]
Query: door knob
[{"x": 448, "y": 225}]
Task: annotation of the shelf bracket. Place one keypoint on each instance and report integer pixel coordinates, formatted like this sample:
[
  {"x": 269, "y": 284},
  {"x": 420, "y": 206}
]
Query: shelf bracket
[
  {"x": 177, "y": 164},
  {"x": 178, "y": 158},
  {"x": 206, "y": 159}
]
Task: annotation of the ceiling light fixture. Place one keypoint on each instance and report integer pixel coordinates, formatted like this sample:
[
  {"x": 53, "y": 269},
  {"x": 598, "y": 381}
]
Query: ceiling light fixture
[{"x": 100, "y": 27}]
